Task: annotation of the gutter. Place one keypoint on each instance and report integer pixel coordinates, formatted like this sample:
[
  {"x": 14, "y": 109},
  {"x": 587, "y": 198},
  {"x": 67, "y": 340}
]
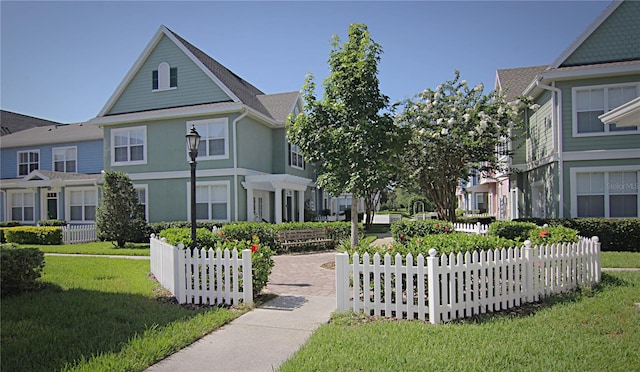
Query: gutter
[
  {"x": 556, "y": 98},
  {"x": 235, "y": 160}
]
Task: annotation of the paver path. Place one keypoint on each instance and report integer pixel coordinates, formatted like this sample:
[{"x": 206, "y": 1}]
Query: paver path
[{"x": 303, "y": 275}]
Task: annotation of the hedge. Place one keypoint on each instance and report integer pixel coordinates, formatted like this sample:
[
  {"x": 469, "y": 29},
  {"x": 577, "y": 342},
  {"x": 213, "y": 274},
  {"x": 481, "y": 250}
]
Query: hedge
[
  {"x": 511, "y": 230},
  {"x": 52, "y": 223},
  {"x": 405, "y": 229},
  {"x": 33, "y": 235},
  {"x": 615, "y": 234},
  {"x": 19, "y": 269}
]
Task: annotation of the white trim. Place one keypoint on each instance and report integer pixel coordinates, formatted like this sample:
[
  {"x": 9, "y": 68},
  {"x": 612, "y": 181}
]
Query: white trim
[
  {"x": 601, "y": 154},
  {"x": 605, "y": 88},
  {"x": 205, "y": 122},
  {"x": 144, "y": 187},
  {"x": 115, "y": 163},
  {"x": 587, "y": 71},
  {"x": 627, "y": 114},
  {"x": 8, "y": 205},
  {"x": 297, "y": 153},
  {"x": 67, "y": 203},
  {"x": 585, "y": 34},
  {"x": 606, "y": 170},
  {"x": 187, "y": 174},
  {"x": 53, "y": 158},
  {"x": 169, "y": 113},
  {"x": 44, "y": 208},
  {"x": 162, "y": 31},
  {"x": 28, "y": 163},
  {"x": 227, "y": 184}
]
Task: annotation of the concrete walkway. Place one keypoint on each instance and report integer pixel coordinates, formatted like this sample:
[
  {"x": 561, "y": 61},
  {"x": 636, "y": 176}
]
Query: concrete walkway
[{"x": 264, "y": 338}]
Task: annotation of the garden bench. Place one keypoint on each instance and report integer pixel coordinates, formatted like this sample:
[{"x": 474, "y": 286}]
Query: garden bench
[{"x": 289, "y": 238}]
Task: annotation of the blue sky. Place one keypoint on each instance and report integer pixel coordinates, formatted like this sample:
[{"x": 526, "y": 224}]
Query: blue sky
[{"x": 62, "y": 60}]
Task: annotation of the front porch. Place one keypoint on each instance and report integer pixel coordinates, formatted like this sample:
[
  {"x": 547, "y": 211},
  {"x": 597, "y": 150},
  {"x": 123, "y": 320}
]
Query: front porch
[{"x": 288, "y": 192}]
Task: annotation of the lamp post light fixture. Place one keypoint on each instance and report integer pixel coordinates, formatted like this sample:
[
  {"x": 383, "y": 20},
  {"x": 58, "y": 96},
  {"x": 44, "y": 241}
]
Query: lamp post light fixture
[{"x": 193, "y": 141}]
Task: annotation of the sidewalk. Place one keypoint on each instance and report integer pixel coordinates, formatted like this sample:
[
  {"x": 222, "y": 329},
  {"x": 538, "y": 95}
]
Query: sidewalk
[{"x": 262, "y": 339}]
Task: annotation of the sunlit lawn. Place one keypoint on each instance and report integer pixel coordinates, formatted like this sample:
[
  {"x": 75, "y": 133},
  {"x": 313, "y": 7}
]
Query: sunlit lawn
[
  {"x": 620, "y": 259},
  {"x": 596, "y": 330},
  {"x": 97, "y": 314},
  {"x": 100, "y": 248}
]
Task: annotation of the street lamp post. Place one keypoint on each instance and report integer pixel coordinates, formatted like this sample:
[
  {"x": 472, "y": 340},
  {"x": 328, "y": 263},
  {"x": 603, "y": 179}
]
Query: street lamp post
[{"x": 193, "y": 141}]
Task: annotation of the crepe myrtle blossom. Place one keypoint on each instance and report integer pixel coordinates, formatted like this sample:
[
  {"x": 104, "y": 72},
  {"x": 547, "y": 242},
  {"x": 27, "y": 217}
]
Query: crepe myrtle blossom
[{"x": 444, "y": 131}]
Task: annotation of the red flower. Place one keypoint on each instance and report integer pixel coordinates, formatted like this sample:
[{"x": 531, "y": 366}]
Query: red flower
[
  {"x": 419, "y": 240},
  {"x": 390, "y": 247},
  {"x": 543, "y": 233},
  {"x": 446, "y": 228},
  {"x": 254, "y": 248},
  {"x": 437, "y": 225},
  {"x": 328, "y": 228},
  {"x": 221, "y": 233},
  {"x": 401, "y": 236}
]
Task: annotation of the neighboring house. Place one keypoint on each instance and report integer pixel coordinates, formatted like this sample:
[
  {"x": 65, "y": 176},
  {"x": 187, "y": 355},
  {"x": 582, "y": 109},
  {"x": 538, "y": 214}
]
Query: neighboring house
[
  {"x": 51, "y": 172},
  {"x": 11, "y": 122},
  {"x": 567, "y": 162},
  {"x": 246, "y": 169}
]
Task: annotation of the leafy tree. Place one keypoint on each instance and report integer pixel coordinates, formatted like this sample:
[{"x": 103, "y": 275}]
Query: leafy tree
[
  {"x": 347, "y": 134},
  {"x": 119, "y": 218},
  {"x": 454, "y": 129}
]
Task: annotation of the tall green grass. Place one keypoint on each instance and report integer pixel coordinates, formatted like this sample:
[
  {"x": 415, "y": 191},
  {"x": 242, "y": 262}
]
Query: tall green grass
[
  {"x": 97, "y": 314},
  {"x": 99, "y": 248},
  {"x": 593, "y": 330}
]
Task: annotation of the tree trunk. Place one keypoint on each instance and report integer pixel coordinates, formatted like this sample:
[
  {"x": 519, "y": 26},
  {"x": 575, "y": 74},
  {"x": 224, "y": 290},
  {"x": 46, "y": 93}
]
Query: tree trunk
[{"x": 354, "y": 220}]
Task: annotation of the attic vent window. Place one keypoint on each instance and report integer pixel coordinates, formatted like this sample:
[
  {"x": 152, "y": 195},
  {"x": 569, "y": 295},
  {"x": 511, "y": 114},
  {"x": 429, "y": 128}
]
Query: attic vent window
[{"x": 164, "y": 78}]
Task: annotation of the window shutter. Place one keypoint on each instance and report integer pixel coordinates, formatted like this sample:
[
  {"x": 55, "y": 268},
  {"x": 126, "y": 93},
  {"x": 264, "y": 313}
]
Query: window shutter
[
  {"x": 290, "y": 160},
  {"x": 154, "y": 80},
  {"x": 173, "y": 77}
]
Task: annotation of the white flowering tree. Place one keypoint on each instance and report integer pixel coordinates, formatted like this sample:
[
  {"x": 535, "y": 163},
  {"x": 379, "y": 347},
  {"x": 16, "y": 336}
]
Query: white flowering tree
[{"x": 455, "y": 128}]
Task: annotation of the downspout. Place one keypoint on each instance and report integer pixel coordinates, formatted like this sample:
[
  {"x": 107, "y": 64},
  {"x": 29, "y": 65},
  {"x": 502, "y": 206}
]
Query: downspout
[
  {"x": 4, "y": 205},
  {"x": 235, "y": 161},
  {"x": 557, "y": 126}
]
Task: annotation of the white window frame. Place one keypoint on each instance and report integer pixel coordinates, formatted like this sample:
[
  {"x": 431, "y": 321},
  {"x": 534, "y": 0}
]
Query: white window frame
[
  {"x": 606, "y": 87},
  {"x": 144, "y": 187},
  {"x": 64, "y": 150},
  {"x": 67, "y": 207},
  {"x": 9, "y": 212},
  {"x": 164, "y": 78},
  {"x": 144, "y": 146},
  {"x": 226, "y": 184},
  {"x": 204, "y": 136},
  {"x": 37, "y": 151},
  {"x": 606, "y": 170},
  {"x": 294, "y": 153}
]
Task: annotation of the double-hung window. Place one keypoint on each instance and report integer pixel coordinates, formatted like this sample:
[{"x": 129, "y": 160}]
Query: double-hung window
[
  {"x": 591, "y": 102},
  {"x": 82, "y": 205},
  {"x": 141, "y": 193},
  {"x": 296, "y": 159},
  {"x": 214, "y": 138},
  {"x": 128, "y": 146},
  {"x": 65, "y": 159},
  {"x": 28, "y": 161},
  {"x": 607, "y": 194},
  {"x": 22, "y": 206},
  {"x": 212, "y": 201}
]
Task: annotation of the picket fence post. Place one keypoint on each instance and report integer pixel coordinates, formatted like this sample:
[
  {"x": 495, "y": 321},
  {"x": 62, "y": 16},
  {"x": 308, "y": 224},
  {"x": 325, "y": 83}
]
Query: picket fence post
[
  {"x": 247, "y": 282},
  {"x": 180, "y": 273},
  {"x": 434, "y": 287},
  {"x": 342, "y": 281},
  {"x": 595, "y": 245},
  {"x": 528, "y": 271}
]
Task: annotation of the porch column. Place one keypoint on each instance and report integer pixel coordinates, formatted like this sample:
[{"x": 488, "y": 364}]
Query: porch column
[
  {"x": 301, "y": 206},
  {"x": 250, "y": 211},
  {"x": 278, "y": 205}
]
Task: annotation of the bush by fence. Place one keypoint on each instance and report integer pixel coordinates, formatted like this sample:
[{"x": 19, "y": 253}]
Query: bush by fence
[
  {"x": 616, "y": 234},
  {"x": 19, "y": 269},
  {"x": 59, "y": 223},
  {"x": 405, "y": 229},
  {"x": 33, "y": 235}
]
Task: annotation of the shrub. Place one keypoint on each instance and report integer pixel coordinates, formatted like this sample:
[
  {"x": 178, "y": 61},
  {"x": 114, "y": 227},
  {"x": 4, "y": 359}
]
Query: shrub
[
  {"x": 59, "y": 223},
  {"x": 243, "y": 231},
  {"x": 553, "y": 235},
  {"x": 261, "y": 261},
  {"x": 615, "y": 234},
  {"x": 4, "y": 224},
  {"x": 33, "y": 235},
  {"x": 19, "y": 269},
  {"x": 405, "y": 229},
  {"x": 205, "y": 238},
  {"x": 157, "y": 227},
  {"x": 473, "y": 220},
  {"x": 518, "y": 231}
]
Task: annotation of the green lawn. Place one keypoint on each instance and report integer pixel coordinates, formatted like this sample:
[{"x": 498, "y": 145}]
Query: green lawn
[
  {"x": 101, "y": 248},
  {"x": 620, "y": 259},
  {"x": 595, "y": 330},
  {"x": 97, "y": 314}
]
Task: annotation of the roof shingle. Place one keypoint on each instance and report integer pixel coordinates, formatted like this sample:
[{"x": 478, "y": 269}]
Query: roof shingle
[{"x": 514, "y": 81}]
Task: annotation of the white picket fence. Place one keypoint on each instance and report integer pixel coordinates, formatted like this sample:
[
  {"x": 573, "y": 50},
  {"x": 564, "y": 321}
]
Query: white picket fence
[
  {"x": 458, "y": 286},
  {"x": 203, "y": 276},
  {"x": 476, "y": 228},
  {"x": 74, "y": 234}
]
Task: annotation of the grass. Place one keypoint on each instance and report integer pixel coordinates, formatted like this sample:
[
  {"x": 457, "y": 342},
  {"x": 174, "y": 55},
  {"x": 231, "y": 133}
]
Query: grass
[
  {"x": 99, "y": 248},
  {"x": 592, "y": 330},
  {"x": 620, "y": 259},
  {"x": 97, "y": 314}
]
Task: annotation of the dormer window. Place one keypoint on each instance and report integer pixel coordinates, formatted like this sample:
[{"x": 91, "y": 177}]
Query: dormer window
[{"x": 164, "y": 78}]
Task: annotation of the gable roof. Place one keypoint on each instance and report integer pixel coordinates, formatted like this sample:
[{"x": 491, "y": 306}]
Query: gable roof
[
  {"x": 52, "y": 134},
  {"x": 279, "y": 105},
  {"x": 585, "y": 34},
  {"x": 11, "y": 122},
  {"x": 238, "y": 89},
  {"x": 514, "y": 81}
]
